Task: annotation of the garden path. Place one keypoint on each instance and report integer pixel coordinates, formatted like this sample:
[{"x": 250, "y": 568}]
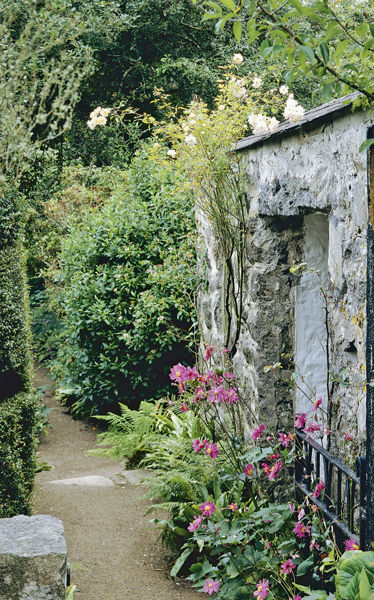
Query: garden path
[{"x": 112, "y": 547}]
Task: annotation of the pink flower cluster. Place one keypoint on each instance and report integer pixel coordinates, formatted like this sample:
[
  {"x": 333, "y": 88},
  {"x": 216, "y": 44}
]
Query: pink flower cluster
[
  {"x": 209, "y": 448},
  {"x": 262, "y": 589},
  {"x": 272, "y": 470},
  {"x": 286, "y": 439},
  {"x": 318, "y": 489},
  {"x": 257, "y": 433},
  {"x": 211, "y": 387}
]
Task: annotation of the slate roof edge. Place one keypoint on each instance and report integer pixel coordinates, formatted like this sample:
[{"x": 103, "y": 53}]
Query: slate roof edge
[{"x": 312, "y": 118}]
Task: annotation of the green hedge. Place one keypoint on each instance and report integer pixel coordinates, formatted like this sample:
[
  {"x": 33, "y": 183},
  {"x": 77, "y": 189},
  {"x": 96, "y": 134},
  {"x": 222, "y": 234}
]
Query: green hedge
[
  {"x": 18, "y": 424},
  {"x": 18, "y": 404}
]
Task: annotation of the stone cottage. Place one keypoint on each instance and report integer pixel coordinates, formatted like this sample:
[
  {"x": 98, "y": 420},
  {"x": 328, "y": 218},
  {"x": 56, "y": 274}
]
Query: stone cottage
[{"x": 307, "y": 195}]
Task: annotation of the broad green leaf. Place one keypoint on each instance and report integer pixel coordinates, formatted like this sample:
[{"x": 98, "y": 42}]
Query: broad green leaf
[
  {"x": 364, "y": 587},
  {"x": 305, "y": 566},
  {"x": 325, "y": 52},
  {"x": 332, "y": 29},
  {"x": 341, "y": 48},
  {"x": 180, "y": 562},
  {"x": 214, "y": 5},
  {"x": 237, "y": 29},
  {"x": 362, "y": 30},
  {"x": 222, "y": 22},
  {"x": 230, "y": 4},
  {"x": 308, "y": 52},
  {"x": 366, "y": 144}
]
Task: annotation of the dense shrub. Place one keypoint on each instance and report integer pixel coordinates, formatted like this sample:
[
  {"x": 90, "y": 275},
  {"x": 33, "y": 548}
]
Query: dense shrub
[
  {"x": 128, "y": 272},
  {"x": 18, "y": 426}
]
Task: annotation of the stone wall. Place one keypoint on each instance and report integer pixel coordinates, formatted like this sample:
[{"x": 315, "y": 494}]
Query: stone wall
[{"x": 314, "y": 173}]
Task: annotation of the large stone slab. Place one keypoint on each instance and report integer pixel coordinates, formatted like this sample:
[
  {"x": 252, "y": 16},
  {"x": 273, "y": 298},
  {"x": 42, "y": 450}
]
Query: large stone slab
[
  {"x": 85, "y": 481},
  {"x": 32, "y": 558}
]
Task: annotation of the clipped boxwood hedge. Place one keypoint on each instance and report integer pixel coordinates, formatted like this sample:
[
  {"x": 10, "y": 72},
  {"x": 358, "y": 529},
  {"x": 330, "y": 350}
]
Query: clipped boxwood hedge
[
  {"x": 18, "y": 424},
  {"x": 18, "y": 403}
]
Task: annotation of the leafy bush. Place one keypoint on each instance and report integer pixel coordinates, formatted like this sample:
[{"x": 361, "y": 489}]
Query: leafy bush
[{"x": 128, "y": 276}]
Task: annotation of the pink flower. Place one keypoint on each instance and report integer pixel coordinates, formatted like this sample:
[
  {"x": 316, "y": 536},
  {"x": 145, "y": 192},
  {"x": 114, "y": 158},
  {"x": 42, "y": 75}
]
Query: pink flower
[
  {"x": 195, "y": 523},
  {"x": 232, "y": 506},
  {"x": 184, "y": 407},
  {"x": 207, "y": 508},
  {"x": 197, "y": 445},
  {"x": 287, "y": 567},
  {"x": 301, "y": 530},
  {"x": 199, "y": 394},
  {"x": 348, "y": 437},
  {"x": 256, "y": 433},
  {"x": 225, "y": 351},
  {"x": 217, "y": 394},
  {"x": 314, "y": 544},
  {"x": 314, "y": 508},
  {"x": 208, "y": 352},
  {"x": 228, "y": 375},
  {"x": 211, "y": 450},
  {"x": 300, "y": 420},
  {"x": 311, "y": 427},
  {"x": 268, "y": 545},
  {"x": 291, "y": 507},
  {"x": 249, "y": 470},
  {"x": 178, "y": 373},
  {"x": 191, "y": 373},
  {"x": 283, "y": 439},
  {"x": 232, "y": 396},
  {"x": 211, "y": 586},
  {"x": 297, "y": 597},
  {"x": 300, "y": 514},
  {"x": 273, "y": 471},
  {"x": 351, "y": 544},
  {"x": 318, "y": 489},
  {"x": 262, "y": 589},
  {"x": 317, "y": 403}
]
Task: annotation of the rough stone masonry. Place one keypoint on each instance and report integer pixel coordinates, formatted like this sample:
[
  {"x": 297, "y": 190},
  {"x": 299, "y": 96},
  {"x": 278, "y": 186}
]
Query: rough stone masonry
[
  {"x": 307, "y": 203},
  {"x": 32, "y": 558}
]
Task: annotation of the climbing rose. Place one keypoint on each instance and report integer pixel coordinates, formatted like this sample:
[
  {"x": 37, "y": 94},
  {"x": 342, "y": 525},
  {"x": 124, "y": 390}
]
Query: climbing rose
[
  {"x": 319, "y": 487},
  {"x": 248, "y": 470},
  {"x": 211, "y": 450},
  {"x": 283, "y": 90},
  {"x": 293, "y": 111},
  {"x": 197, "y": 445},
  {"x": 207, "y": 508},
  {"x": 262, "y": 589},
  {"x": 301, "y": 530},
  {"x": 195, "y": 523},
  {"x": 172, "y": 153},
  {"x": 257, "y": 82},
  {"x": 300, "y": 420},
  {"x": 190, "y": 140},
  {"x": 287, "y": 567},
  {"x": 351, "y": 544},
  {"x": 211, "y": 586},
  {"x": 256, "y": 433},
  {"x": 237, "y": 59}
]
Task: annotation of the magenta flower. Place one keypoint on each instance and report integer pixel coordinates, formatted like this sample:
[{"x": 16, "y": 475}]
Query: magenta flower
[
  {"x": 191, "y": 373},
  {"x": 207, "y": 508},
  {"x": 197, "y": 445},
  {"x": 348, "y": 437},
  {"x": 184, "y": 407},
  {"x": 232, "y": 396},
  {"x": 217, "y": 394},
  {"x": 178, "y": 373},
  {"x": 283, "y": 439},
  {"x": 300, "y": 514},
  {"x": 301, "y": 530},
  {"x": 318, "y": 489},
  {"x": 228, "y": 375},
  {"x": 211, "y": 450},
  {"x": 195, "y": 523},
  {"x": 312, "y": 427},
  {"x": 211, "y": 586},
  {"x": 249, "y": 470},
  {"x": 262, "y": 589},
  {"x": 297, "y": 597},
  {"x": 256, "y": 433},
  {"x": 232, "y": 506},
  {"x": 272, "y": 471},
  {"x": 209, "y": 351},
  {"x": 317, "y": 403},
  {"x": 314, "y": 544},
  {"x": 199, "y": 394},
  {"x": 287, "y": 567},
  {"x": 300, "y": 420},
  {"x": 351, "y": 544},
  {"x": 291, "y": 507}
]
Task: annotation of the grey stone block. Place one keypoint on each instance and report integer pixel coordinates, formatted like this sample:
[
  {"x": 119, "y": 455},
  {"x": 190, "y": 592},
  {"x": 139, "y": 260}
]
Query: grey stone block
[{"x": 32, "y": 558}]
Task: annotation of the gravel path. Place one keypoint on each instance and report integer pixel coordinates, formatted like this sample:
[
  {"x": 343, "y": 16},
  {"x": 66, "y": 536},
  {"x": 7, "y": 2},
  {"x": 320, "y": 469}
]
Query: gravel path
[{"x": 112, "y": 547}]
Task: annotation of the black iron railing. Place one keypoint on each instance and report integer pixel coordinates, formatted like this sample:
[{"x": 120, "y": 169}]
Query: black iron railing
[{"x": 343, "y": 500}]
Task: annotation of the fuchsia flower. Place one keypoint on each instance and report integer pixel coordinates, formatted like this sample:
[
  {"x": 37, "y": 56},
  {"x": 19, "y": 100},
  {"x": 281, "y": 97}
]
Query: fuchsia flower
[
  {"x": 232, "y": 396},
  {"x": 312, "y": 427},
  {"x": 300, "y": 514},
  {"x": 195, "y": 523},
  {"x": 300, "y": 420},
  {"x": 262, "y": 589},
  {"x": 297, "y": 597},
  {"x": 317, "y": 403},
  {"x": 207, "y": 508},
  {"x": 318, "y": 489},
  {"x": 209, "y": 351},
  {"x": 301, "y": 530},
  {"x": 285, "y": 440},
  {"x": 197, "y": 445},
  {"x": 211, "y": 586},
  {"x": 228, "y": 375},
  {"x": 232, "y": 506},
  {"x": 287, "y": 567},
  {"x": 184, "y": 407},
  {"x": 314, "y": 508},
  {"x": 348, "y": 437},
  {"x": 191, "y": 373},
  {"x": 314, "y": 544},
  {"x": 256, "y": 433},
  {"x": 178, "y": 373},
  {"x": 249, "y": 470},
  {"x": 272, "y": 471},
  {"x": 351, "y": 544},
  {"x": 217, "y": 394},
  {"x": 199, "y": 394},
  {"x": 211, "y": 450}
]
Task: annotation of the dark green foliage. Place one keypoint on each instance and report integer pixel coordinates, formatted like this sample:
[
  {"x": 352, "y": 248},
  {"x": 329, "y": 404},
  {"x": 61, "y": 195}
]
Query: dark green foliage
[
  {"x": 128, "y": 272},
  {"x": 18, "y": 425},
  {"x": 14, "y": 331}
]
